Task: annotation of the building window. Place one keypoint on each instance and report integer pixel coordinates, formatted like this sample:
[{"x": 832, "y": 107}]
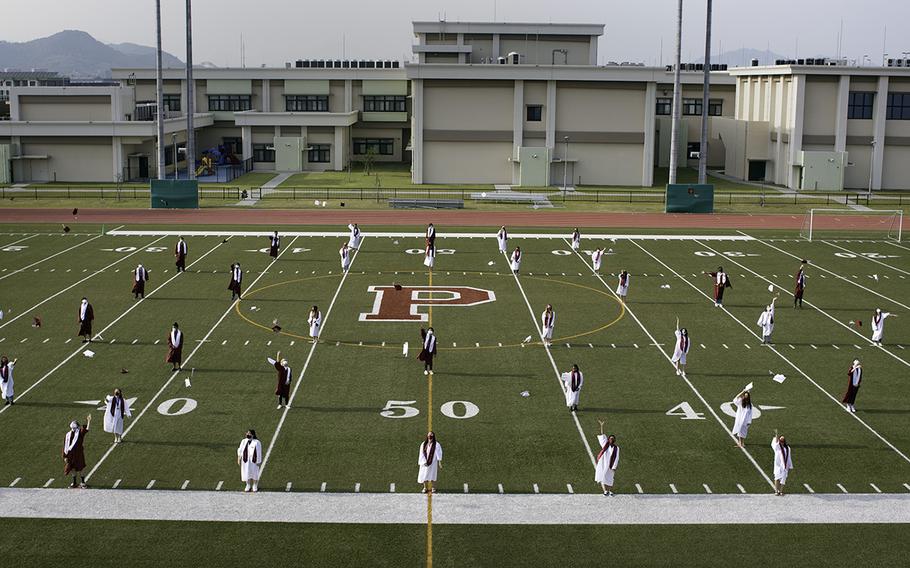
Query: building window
[
  {"x": 534, "y": 113},
  {"x": 898, "y": 106},
  {"x": 262, "y": 153},
  {"x": 169, "y": 153},
  {"x": 664, "y": 107},
  {"x": 319, "y": 153},
  {"x": 384, "y": 103},
  {"x": 306, "y": 103},
  {"x": 691, "y": 107},
  {"x": 172, "y": 102},
  {"x": 230, "y": 102},
  {"x": 715, "y": 107},
  {"x": 378, "y": 146},
  {"x": 859, "y": 105}
]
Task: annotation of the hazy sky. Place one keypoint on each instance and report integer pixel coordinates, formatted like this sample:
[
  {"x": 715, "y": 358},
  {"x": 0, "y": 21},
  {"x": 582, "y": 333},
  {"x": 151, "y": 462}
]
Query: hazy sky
[{"x": 275, "y": 31}]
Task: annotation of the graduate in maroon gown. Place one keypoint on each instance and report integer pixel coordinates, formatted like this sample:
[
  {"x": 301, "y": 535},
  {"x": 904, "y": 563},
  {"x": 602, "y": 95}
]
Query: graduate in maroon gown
[
  {"x": 180, "y": 251},
  {"x": 800, "y": 285},
  {"x": 140, "y": 277},
  {"x": 236, "y": 279},
  {"x": 855, "y": 378},
  {"x": 175, "y": 348},
  {"x": 86, "y": 317},
  {"x": 74, "y": 451},
  {"x": 283, "y": 386},
  {"x": 274, "y": 245},
  {"x": 429, "y": 350},
  {"x": 721, "y": 282}
]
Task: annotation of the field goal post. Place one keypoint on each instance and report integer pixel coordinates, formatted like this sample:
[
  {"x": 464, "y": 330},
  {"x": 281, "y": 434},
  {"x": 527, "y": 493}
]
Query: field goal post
[{"x": 887, "y": 221}]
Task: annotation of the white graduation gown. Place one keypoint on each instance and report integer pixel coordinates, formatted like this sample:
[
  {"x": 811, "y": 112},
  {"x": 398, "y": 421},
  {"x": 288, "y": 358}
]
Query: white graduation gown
[
  {"x": 622, "y": 288},
  {"x": 576, "y": 241},
  {"x": 249, "y": 469},
  {"x": 429, "y": 258},
  {"x": 515, "y": 262},
  {"x": 603, "y": 473},
  {"x": 503, "y": 239},
  {"x": 546, "y": 329},
  {"x": 597, "y": 258},
  {"x": 345, "y": 258},
  {"x": 572, "y": 396},
  {"x": 315, "y": 322},
  {"x": 113, "y": 423},
  {"x": 781, "y": 469},
  {"x": 679, "y": 354},
  {"x": 354, "y": 240},
  {"x": 878, "y": 328},
  {"x": 428, "y": 472},
  {"x": 743, "y": 418},
  {"x": 6, "y": 387},
  {"x": 766, "y": 322}
]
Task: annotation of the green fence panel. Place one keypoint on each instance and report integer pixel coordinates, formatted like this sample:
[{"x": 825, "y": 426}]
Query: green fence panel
[
  {"x": 174, "y": 194},
  {"x": 690, "y": 198}
]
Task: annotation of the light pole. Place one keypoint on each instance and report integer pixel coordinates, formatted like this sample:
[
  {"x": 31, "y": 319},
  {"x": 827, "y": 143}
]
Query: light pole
[
  {"x": 705, "y": 104},
  {"x": 674, "y": 129},
  {"x": 190, "y": 97},
  {"x": 159, "y": 96},
  {"x": 871, "y": 164},
  {"x": 565, "y": 166},
  {"x": 176, "y": 171}
]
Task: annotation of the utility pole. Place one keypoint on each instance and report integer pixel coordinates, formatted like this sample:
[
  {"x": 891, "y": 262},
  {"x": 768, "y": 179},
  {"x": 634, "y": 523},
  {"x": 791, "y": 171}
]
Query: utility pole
[
  {"x": 190, "y": 96},
  {"x": 705, "y": 101},
  {"x": 677, "y": 93},
  {"x": 159, "y": 95}
]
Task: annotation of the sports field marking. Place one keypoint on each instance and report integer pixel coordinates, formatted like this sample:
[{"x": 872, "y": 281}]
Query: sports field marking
[
  {"x": 186, "y": 482},
  {"x": 581, "y": 432},
  {"x": 782, "y": 356},
  {"x": 167, "y": 383},
  {"x": 842, "y": 488},
  {"x": 809, "y": 489},
  {"x": 832, "y": 273},
  {"x": 892, "y": 243},
  {"x": 875, "y": 488},
  {"x": 107, "y": 327},
  {"x": 741, "y": 488},
  {"x": 19, "y": 241},
  {"x": 869, "y": 258},
  {"x": 48, "y": 483},
  {"x": 49, "y": 257},
  {"x": 430, "y": 428},
  {"x": 654, "y": 341},
  {"x": 328, "y": 313},
  {"x": 821, "y": 311},
  {"x": 70, "y": 287}
]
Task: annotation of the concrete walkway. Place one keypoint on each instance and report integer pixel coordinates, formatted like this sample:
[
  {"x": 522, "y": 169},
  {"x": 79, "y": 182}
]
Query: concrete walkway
[
  {"x": 267, "y": 188},
  {"x": 411, "y": 508}
]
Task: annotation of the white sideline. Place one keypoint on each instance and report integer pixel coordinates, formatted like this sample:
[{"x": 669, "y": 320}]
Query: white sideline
[
  {"x": 19, "y": 241},
  {"x": 202, "y": 342},
  {"x": 862, "y": 256},
  {"x": 782, "y": 356},
  {"x": 16, "y": 271},
  {"x": 659, "y": 346},
  {"x": 454, "y": 508},
  {"x": 71, "y": 286},
  {"x": 811, "y": 305},
  {"x": 284, "y": 414},
  {"x": 478, "y": 235},
  {"x": 100, "y": 333},
  {"x": 581, "y": 432},
  {"x": 836, "y": 275}
]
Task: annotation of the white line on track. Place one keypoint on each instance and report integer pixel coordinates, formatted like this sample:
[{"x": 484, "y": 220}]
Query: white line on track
[
  {"x": 864, "y": 257},
  {"x": 581, "y": 431},
  {"x": 284, "y": 413},
  {"x": 199, "y": 345},
  {"x": 710, "y": 408},
  {"x": 49, "y": 257},
  {"x": 71, "y": 286},
  {"x": 110, "y": 325},
  {"x": 782, "y": 356}
]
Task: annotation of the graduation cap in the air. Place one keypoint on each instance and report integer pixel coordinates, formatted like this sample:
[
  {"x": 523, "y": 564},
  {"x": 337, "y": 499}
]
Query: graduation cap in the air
[
  {"x": 124, "y": 371},
  {"x": 396, "y": 285},
  {"x": 75, "y": 211},
  {"x": 66, "y": 229},
  {"x": 36, "y": 321},
  {"x": 275, "y": 327},
  {"x": 224, "y": 241}
]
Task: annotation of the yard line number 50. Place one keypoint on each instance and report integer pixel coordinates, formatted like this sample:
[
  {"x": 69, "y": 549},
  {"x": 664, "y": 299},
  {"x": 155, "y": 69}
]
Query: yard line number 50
[{"x": 457, "y": 409}]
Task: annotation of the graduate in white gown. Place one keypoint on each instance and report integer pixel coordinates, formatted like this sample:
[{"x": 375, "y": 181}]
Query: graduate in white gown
[
  {"x": 429, "y": 256},
  {"x": 607, "y": 461},
  {"x": 766, "y": 321},
  {"x": 681, "y": 349},
  {"x": 502, "y": 238},
  {"x": 115, "y": 409},
  {"x": 428, "y": 461},
  {"x": 878, "y": 324},
  {"x": 576, "y": 239},
  {"x": 515, "y": 260},
  {"x": 547, "y": 323},
  {"x": 315, "y": 321},
  {"x": 6, "y": 379},
  {"x": 345, "y": 254},
  {"x": 622, "y": 288},
  {"x": 597, "y": 258},
  {"x": 572, "y": 383},
  {"x": 783, "y": 462},
  {"x": 743, "y": 405},
  {"x": 249, "y": 458},
  {"x": 354, "y": 239}
]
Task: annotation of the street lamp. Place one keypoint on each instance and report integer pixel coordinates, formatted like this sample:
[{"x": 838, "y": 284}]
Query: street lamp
[
  {"x": 565, "y": 166},
  {"x": 871, "y": 164}
]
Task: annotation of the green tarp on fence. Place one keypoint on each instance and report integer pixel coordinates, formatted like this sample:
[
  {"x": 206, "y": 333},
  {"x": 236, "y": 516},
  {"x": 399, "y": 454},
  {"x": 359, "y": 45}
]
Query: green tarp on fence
[
  {"x": 690, "y": 198},
  {"x": 174, "y": 194}
]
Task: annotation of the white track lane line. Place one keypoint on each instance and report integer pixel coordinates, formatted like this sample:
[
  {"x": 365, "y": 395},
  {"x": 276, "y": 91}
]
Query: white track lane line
[
  {"x": 36, "y": 263},
  {"x": 110, "y": 325},
  {"x": 284, "y": 414},
  {"x": 864, "y": 257},
  {"x": 204, "y": 340},
  {"x": 811, "y": 305},
  {"x": 659, "y": 346},
  {"x": 836, "y": 275},
  {"x": 70, "y": 287},
  {"x": 782, "y": 356},
  {"x": 581, "y": 431}
]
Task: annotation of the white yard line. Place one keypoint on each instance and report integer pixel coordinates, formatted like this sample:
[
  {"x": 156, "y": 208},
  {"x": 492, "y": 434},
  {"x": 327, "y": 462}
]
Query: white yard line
[
  {"x": 110, "y": 325},
  {"x": 19, "y": 241},
  {"x": 49, "y": 257},
  {"x": 284, "y": 414},
  {"x": 785, "y": 359},
  {"x": 810, "y": 304},
  {"x": 895, "y": 244},
  {"x": 581, "y": 431},
  {"x": 832, "y": 273},
  {"x": 659, "y": 346},
  {"x": 94, "y": 273},
  {"x": 864, "y": 257},
  {"x": 199, "y": 345}
]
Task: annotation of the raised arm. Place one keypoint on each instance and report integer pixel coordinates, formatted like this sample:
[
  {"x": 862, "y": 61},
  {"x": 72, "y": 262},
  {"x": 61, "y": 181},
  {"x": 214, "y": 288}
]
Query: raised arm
[{"x": 601, "y": 427}]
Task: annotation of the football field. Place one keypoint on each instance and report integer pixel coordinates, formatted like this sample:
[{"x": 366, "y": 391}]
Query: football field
[{"x": 361, "y": 404}]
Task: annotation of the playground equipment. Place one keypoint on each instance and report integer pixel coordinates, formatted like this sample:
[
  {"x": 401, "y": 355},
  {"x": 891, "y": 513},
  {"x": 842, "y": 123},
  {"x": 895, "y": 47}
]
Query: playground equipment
[{"x": 219, "y": 156}]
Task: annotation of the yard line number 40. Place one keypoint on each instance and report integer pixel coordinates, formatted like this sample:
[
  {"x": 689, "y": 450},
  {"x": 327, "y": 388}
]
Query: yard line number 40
[{"x": 457, "y": 409}]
